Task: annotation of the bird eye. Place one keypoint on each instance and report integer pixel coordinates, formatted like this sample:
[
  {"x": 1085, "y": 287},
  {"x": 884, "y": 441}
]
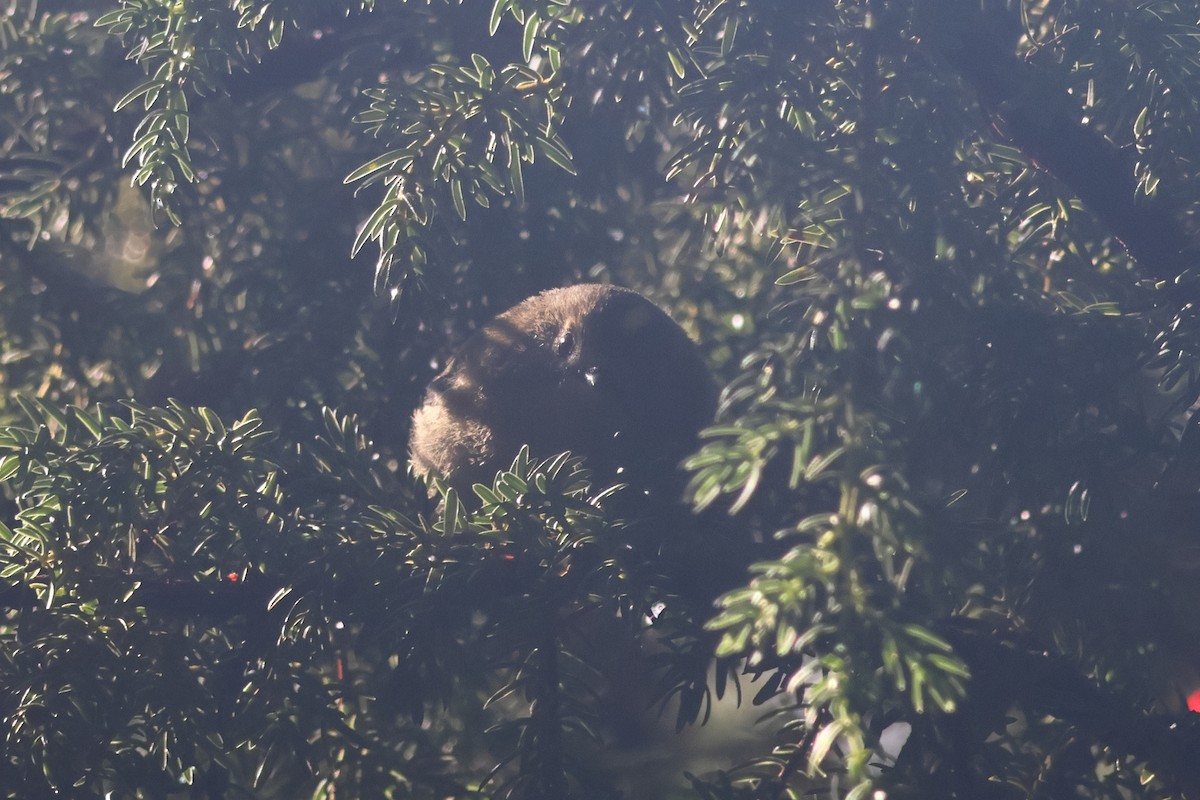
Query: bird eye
[{"x": 564, "y": 344}]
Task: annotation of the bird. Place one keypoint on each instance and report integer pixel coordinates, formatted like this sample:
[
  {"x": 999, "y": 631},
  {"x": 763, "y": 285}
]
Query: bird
[
  {"x": 602, "y": 372},
  {"x": 593, "y": 369}
]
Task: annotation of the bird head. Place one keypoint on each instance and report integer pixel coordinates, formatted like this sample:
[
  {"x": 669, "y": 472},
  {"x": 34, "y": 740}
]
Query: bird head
[{"x": 597, "y": 370}]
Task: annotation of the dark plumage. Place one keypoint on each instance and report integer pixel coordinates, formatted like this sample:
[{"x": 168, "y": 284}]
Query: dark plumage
[{"x": 597, "y": 370}]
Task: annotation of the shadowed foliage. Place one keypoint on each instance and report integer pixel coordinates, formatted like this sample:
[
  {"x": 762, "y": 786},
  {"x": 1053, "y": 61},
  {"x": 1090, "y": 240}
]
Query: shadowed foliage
[{"x": 940, "y": 540}]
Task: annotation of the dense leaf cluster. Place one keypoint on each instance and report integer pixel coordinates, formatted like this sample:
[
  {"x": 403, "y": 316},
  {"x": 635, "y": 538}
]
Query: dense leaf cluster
[{"x": 201, "y": 609}]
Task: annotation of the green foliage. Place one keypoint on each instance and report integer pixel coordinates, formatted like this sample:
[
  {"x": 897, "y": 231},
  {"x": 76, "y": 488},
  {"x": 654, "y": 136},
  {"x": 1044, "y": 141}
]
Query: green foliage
[
  {"x": 456, "y": 136},
  {"x": 941, "y": 255},
  {"x": 236, "y": 615}
]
